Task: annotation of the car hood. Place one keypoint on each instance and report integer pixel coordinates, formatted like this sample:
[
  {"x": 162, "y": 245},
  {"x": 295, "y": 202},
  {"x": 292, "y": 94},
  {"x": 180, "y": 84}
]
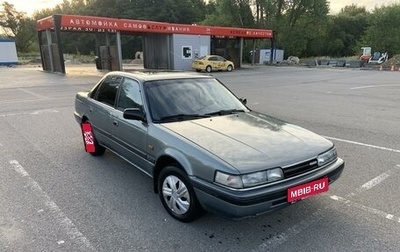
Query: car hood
[{"x": 252, "y": 141}]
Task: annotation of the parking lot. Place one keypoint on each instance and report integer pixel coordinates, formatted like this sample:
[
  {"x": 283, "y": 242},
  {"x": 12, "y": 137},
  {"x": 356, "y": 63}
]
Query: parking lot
[{"x": 56, "y": 197}]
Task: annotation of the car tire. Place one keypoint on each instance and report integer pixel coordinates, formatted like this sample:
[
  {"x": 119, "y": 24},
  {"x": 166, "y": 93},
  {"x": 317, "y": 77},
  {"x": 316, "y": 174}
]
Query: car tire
[
  {"x": 208, "y": 69},
  {"x": 177, "y": 194},
  {"x": 229, "y": 68},
  {"x": 98, "y": 149}
]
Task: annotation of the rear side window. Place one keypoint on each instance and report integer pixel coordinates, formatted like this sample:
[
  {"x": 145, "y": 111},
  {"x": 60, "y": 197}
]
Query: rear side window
[{"x": 108, "y": 89}]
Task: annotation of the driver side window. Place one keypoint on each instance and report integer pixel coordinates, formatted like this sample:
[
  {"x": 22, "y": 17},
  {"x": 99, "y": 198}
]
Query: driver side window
[{"x": 130, "y": 96}]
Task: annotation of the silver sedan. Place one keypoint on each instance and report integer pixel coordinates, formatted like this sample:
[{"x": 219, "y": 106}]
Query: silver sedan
[{"x": 202, "y": 146}]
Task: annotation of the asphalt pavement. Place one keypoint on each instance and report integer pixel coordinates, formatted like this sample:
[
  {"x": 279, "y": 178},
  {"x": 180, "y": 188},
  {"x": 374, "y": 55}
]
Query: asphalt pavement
[{"x": 56, "y": 197}]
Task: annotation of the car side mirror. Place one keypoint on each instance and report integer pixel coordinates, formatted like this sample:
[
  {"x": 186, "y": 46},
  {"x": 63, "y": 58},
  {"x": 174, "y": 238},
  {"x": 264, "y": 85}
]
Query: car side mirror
[
  {"x": 134, "y": 114},
  {"x": 243, "y": 100}
]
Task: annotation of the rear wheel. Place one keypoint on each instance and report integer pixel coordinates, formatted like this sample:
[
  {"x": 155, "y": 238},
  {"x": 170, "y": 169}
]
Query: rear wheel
[
  {"x": 208, "y": 69},
  {"x": 177, "y": 194},
  {"x": 98, "y": 149},
  {"x": 229, "y": 68}
]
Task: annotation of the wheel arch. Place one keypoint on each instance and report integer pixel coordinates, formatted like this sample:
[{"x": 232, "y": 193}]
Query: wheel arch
[
  {"x": 84, "y": 119},
  {"x": 171, "y": 157}
]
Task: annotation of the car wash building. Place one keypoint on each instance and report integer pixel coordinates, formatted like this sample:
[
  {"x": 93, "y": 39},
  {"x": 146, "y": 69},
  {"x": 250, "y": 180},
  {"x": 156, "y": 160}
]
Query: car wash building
[
  {"x": 165, "y": 45},
  {"x": 8, "y": 52}
]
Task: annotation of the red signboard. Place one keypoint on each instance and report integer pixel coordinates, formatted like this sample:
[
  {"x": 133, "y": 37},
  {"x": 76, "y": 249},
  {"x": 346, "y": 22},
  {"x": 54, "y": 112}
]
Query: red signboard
[
  {"x": 307, "y": 190},
  {"x": 45, "y": 23},
  {"x": 89, "y": 24},
  {"x": 88, "y": 137}
]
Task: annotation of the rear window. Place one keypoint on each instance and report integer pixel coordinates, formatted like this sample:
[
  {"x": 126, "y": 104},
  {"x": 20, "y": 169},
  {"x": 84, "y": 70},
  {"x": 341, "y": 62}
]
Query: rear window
[{"x": 108, "y": 89}]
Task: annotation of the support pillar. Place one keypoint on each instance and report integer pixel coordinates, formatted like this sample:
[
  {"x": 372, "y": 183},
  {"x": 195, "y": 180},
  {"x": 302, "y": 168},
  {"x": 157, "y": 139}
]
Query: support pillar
[
  {"x": 240, "y": 52},
  {"x": 119, "y": 51},
  {"x": 109, "y": 58},
  {"x": 253, "y": 55},
  {"x": 49, "y": 43},
  {"x": 57, "y": 28}
]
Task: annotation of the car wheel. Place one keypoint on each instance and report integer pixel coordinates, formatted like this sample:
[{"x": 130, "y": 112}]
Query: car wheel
[
  {"x": 208, "y": 69},
  {"x": 98, "y": 149},
  {"x": 177, "y": 194},
  {"x": 229, "y": 68}
]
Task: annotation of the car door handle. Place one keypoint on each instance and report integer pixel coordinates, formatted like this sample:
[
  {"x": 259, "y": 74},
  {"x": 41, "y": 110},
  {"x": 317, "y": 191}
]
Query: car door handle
[{"x": 115, "y": 123}]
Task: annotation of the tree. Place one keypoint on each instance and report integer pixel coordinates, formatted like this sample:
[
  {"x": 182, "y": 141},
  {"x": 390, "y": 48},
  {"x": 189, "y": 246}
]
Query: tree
[
  {"x": 231, "y": 13},
  {"x": 17, "y": 25},
  {"x": 383, "y": 32},
  {"x": 300, "y": 23},
  {"x": 346, "y": 30}
]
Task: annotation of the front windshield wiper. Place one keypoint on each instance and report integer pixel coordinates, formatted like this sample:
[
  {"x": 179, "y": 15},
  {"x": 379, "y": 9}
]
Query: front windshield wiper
[
  {"x": 181, "y": 117},
  {"x": 226, "y": 112}
]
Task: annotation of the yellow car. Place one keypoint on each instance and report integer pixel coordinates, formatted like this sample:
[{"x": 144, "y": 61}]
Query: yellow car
[{"x": 210, "y": 63}]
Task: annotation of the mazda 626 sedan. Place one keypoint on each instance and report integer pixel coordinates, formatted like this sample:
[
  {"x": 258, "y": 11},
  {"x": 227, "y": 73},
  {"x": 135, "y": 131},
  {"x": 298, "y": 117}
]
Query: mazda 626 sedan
[{"x": 201, "y": 145}]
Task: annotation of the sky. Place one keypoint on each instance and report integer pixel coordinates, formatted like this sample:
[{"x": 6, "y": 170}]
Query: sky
[{"x": 29, "y": 6}]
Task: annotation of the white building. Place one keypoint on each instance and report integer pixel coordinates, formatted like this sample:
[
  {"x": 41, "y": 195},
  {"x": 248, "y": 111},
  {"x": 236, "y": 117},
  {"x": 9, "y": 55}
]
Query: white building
[{"x": 8, "y": 52}]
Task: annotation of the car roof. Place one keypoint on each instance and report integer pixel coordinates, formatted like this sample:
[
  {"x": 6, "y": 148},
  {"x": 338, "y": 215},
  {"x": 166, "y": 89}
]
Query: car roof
[{"x": 150, "y": 75}]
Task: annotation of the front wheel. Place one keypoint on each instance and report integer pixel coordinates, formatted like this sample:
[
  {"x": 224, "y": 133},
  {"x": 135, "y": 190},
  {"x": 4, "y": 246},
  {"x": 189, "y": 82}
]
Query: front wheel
[
  {"x": 208, "y": 69},
  {"x": 177, "y": 194},
  {"x": 229, "y": 68}
]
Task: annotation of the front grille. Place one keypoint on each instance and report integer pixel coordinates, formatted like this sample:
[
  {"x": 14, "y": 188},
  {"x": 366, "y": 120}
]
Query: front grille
[{"x": 297, "y": 169}]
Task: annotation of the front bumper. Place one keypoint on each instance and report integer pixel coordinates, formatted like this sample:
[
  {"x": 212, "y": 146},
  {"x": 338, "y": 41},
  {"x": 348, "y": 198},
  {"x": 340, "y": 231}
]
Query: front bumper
[{"x": 237, "y": 204}]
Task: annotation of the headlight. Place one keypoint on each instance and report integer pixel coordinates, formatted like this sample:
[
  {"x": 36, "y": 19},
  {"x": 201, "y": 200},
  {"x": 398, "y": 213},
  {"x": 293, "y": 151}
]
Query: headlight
[
  {"x": 249, "y": 180},
  {"x": 327, "y": 157},
  {"x": 228, "y": 180}
]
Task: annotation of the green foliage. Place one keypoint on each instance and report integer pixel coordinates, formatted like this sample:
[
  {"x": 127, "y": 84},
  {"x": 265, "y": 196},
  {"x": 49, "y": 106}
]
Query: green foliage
[
  {"x": 345, "y": 30},
  {"x": 304, "y": 28},
  {"x": 300, "y": 25},
  {"x": 17, "y": 25},
  {"x": 383, "y": 32},
  {"x": 235, "y": 13}
]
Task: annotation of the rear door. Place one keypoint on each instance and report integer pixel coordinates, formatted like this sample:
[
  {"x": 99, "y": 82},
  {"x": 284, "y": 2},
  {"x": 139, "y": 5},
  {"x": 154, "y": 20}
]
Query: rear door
[
  {"x": 103, "y": 102},
  {"x": 221, "y": 63}
]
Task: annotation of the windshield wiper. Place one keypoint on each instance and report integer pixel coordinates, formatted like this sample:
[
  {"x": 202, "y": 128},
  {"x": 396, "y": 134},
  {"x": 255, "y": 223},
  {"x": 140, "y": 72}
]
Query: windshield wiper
[
  {"x": 182, "y": 117},
  {"x": 226, "y": 112}
]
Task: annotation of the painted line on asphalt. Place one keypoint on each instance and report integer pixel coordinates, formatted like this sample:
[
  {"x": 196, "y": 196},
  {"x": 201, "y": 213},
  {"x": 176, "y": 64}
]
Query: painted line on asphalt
[
  {"x": 278, "y": 239},
  {"x": 36, "y": 112},
  {"x": 74, "y": 234},
  {"x": 31, "y": 93},
  {"x": 374, "y": 86},
  {"x": 374, "y": 182},
  {"x": 371, "y": 210},
  {"x": 34, "y": 100},
  {"x": 363, "y": 144}
]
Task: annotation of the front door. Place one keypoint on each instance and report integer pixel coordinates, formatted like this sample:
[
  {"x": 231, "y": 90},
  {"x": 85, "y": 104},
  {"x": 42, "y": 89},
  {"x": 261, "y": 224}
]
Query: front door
[{"x": 130, "y": 135}]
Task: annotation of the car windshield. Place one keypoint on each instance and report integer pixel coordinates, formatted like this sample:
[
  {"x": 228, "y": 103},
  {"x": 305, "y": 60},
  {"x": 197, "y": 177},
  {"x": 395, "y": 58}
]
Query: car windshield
[{"x": 188, "y": 99}]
